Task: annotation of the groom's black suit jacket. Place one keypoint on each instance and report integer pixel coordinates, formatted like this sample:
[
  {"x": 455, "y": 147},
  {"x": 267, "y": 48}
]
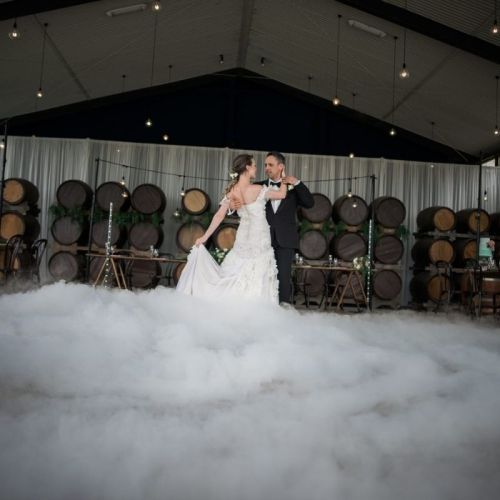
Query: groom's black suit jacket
[{"x": 284, "y": 233}]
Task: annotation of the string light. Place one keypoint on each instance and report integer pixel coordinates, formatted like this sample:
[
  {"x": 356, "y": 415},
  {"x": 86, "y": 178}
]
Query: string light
[
  {"x": 183, "y": 193},
  {"x": 122, "y": 182},
  {"x": 404, "y": 73},
  {"x": 149, "y": 122},
  {"x": 39, "y": 92},
  {"x": 2, "y": 144},
  {"x": 156, "y": 6},
  {"x": 485, "y": 195},
  {"x": 392, "y": 131},
  {"x": 165, "y": 137},
  {"x": 336, "y": 100},
  {"x": 177, "y": 213},
  {"x": 494, "y": 28},
  {"x": 14, "y": 34},
  {"x": 495, "y": 131},
  {"x": 351, "y": 155}
]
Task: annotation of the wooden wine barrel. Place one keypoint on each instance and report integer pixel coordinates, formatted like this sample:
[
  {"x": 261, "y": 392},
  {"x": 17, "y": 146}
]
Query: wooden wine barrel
[
  {"x": 352, "y": 210},
  {"x": 225, "y": 236},
  {"x": 187, "y": 234},
  {"x": 313, "y": 245},
  {"x": 74, "y": 193},
  {"x": 389, "y": 211},
  {"x": 386, "y": 284},
  {"x": 467, "y": 221},
  {"x": 112, "y": 192},
  {"x": 100, "y": 234},
  {"x": 346, "y": 246},
  {"x": 428, "y": 250},
  {"x": 388, "y": 249},
  {"x": 18, "y": 191},
  {"x": 143, "y": 235},
  {"x": 67, "y": 231},
  {"x": 320, "y": 211},
  {"x": 311, "y": 281},
  {"x": 178, "y": 271},
  {"x": 144, "y": 273},
  {"x": 66, "y": 266},
  {"x": 13, "y": 223},
  {"x": 195, "y": 201},
  {"x": 148, "y": 199},
  {"x": 465, "y": 250},
  {"x": 436, "y": 218},
  {"x": 425, "y": 286}
]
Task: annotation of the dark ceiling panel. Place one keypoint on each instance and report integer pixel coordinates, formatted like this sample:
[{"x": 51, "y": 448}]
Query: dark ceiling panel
[
  {"x": 19, "y": 8},
  {"x": 427, "y": 27}
]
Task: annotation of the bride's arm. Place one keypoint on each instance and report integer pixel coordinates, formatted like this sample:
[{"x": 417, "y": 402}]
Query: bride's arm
[{"x": 216, "y": 220}]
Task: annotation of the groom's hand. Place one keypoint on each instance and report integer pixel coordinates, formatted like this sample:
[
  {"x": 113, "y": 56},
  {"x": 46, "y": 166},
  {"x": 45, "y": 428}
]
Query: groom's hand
[
  {"x": 235, "y": 204},
  {"x": 290, "y": 179}
]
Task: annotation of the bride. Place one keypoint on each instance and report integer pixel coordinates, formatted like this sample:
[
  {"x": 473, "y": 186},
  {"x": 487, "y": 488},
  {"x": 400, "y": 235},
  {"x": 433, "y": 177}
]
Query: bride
[{"x": 249, "y": 269}]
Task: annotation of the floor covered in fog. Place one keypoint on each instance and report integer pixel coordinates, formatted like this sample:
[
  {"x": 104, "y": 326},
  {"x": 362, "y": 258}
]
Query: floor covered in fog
[{"x": 120, "y": 395}]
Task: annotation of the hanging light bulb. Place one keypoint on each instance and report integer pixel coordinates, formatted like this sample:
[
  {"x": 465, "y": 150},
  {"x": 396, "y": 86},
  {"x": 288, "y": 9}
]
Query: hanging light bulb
[
  {"x": 39, "y": 92},
  {"x": 221, "y": 58},
  {"x": 392, "y": 131},
  {"x": 149, "y": 122},
  {"x": 485, "y": 195},
  {"x": 262, "y": 61},
  {"x": 431, "y": 165},
  {"x": 2, "y": 144},
  {"x": 122, "y": 182},
  {"x": 156, "y": 6},
  {"x": 354, "y": 203},
  {"x": 494, "y": 28},
  {"x": 336, "y": 100},
  {"x": 496, "y": 131},
  {"x": 351, "y": 155},
  {"x": 14, "y": 34},
  {"x": 349, "y": 193},
  {"x": 183, "y": 193},
  {"x": 165, "y": 137},
  {"x": 177, "y": 213},
  {"x": 404, "y": 73},
  {"x": 124, "y": 194}
]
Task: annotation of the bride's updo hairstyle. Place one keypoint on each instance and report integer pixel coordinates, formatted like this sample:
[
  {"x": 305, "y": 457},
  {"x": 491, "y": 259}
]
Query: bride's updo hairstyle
[{"x": 240, "y": 164}]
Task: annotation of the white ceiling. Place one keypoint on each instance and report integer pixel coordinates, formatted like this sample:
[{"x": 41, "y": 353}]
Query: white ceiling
[{"x": 88, "y": 52}]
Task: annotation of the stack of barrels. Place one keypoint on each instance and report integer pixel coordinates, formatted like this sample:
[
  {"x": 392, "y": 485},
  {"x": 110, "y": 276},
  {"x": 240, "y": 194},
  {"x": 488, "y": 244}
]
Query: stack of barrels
[
  {"x": 314, "y": 244},
  {"x": 351, "y": 212},
  {"x": 71, "y": 231},
  {"x": 444, "y": 239},
  {"x": 19, "y": 216},
  {"x": 388, "y": 250}
]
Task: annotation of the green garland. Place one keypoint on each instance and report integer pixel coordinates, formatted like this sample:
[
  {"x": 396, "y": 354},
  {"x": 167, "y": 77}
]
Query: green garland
[{"x": 81, "y": 216}]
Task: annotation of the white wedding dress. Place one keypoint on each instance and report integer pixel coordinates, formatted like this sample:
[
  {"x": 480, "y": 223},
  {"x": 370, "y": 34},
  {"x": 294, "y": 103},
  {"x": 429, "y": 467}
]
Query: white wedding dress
[{"x": 248, "y": 270}]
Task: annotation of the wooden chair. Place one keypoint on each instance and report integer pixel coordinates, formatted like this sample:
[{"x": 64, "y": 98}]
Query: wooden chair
[
  {"x": 37, "y": 250},
  {"x": 13, "y": 250}
]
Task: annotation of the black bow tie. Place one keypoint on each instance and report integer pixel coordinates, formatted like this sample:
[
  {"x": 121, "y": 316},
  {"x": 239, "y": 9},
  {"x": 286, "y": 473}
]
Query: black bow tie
[{"x": 272, "y": 183}]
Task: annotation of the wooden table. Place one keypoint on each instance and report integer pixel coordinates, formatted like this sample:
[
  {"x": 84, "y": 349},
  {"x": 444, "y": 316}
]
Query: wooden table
[{"x": 353, "y": 276}]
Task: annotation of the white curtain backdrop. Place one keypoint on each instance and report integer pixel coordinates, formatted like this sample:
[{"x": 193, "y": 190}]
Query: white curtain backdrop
[{"x": 48, "y": 162}]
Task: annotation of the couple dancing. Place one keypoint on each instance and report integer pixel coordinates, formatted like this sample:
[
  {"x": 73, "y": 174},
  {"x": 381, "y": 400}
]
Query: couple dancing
[{"x": 260, "y": 263}]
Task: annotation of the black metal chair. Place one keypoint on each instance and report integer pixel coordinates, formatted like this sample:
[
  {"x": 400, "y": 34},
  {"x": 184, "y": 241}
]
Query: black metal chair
[
  {"x": 37, "y": 250},
  {"x": 13, "y": 249}
]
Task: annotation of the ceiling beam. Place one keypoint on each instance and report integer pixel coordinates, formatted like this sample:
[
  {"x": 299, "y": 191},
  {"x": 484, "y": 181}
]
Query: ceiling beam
[
  {"x": 246, "y": 24},
  {"x": 427, "y": 27},
  {"x": 20, "y": 8}
]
